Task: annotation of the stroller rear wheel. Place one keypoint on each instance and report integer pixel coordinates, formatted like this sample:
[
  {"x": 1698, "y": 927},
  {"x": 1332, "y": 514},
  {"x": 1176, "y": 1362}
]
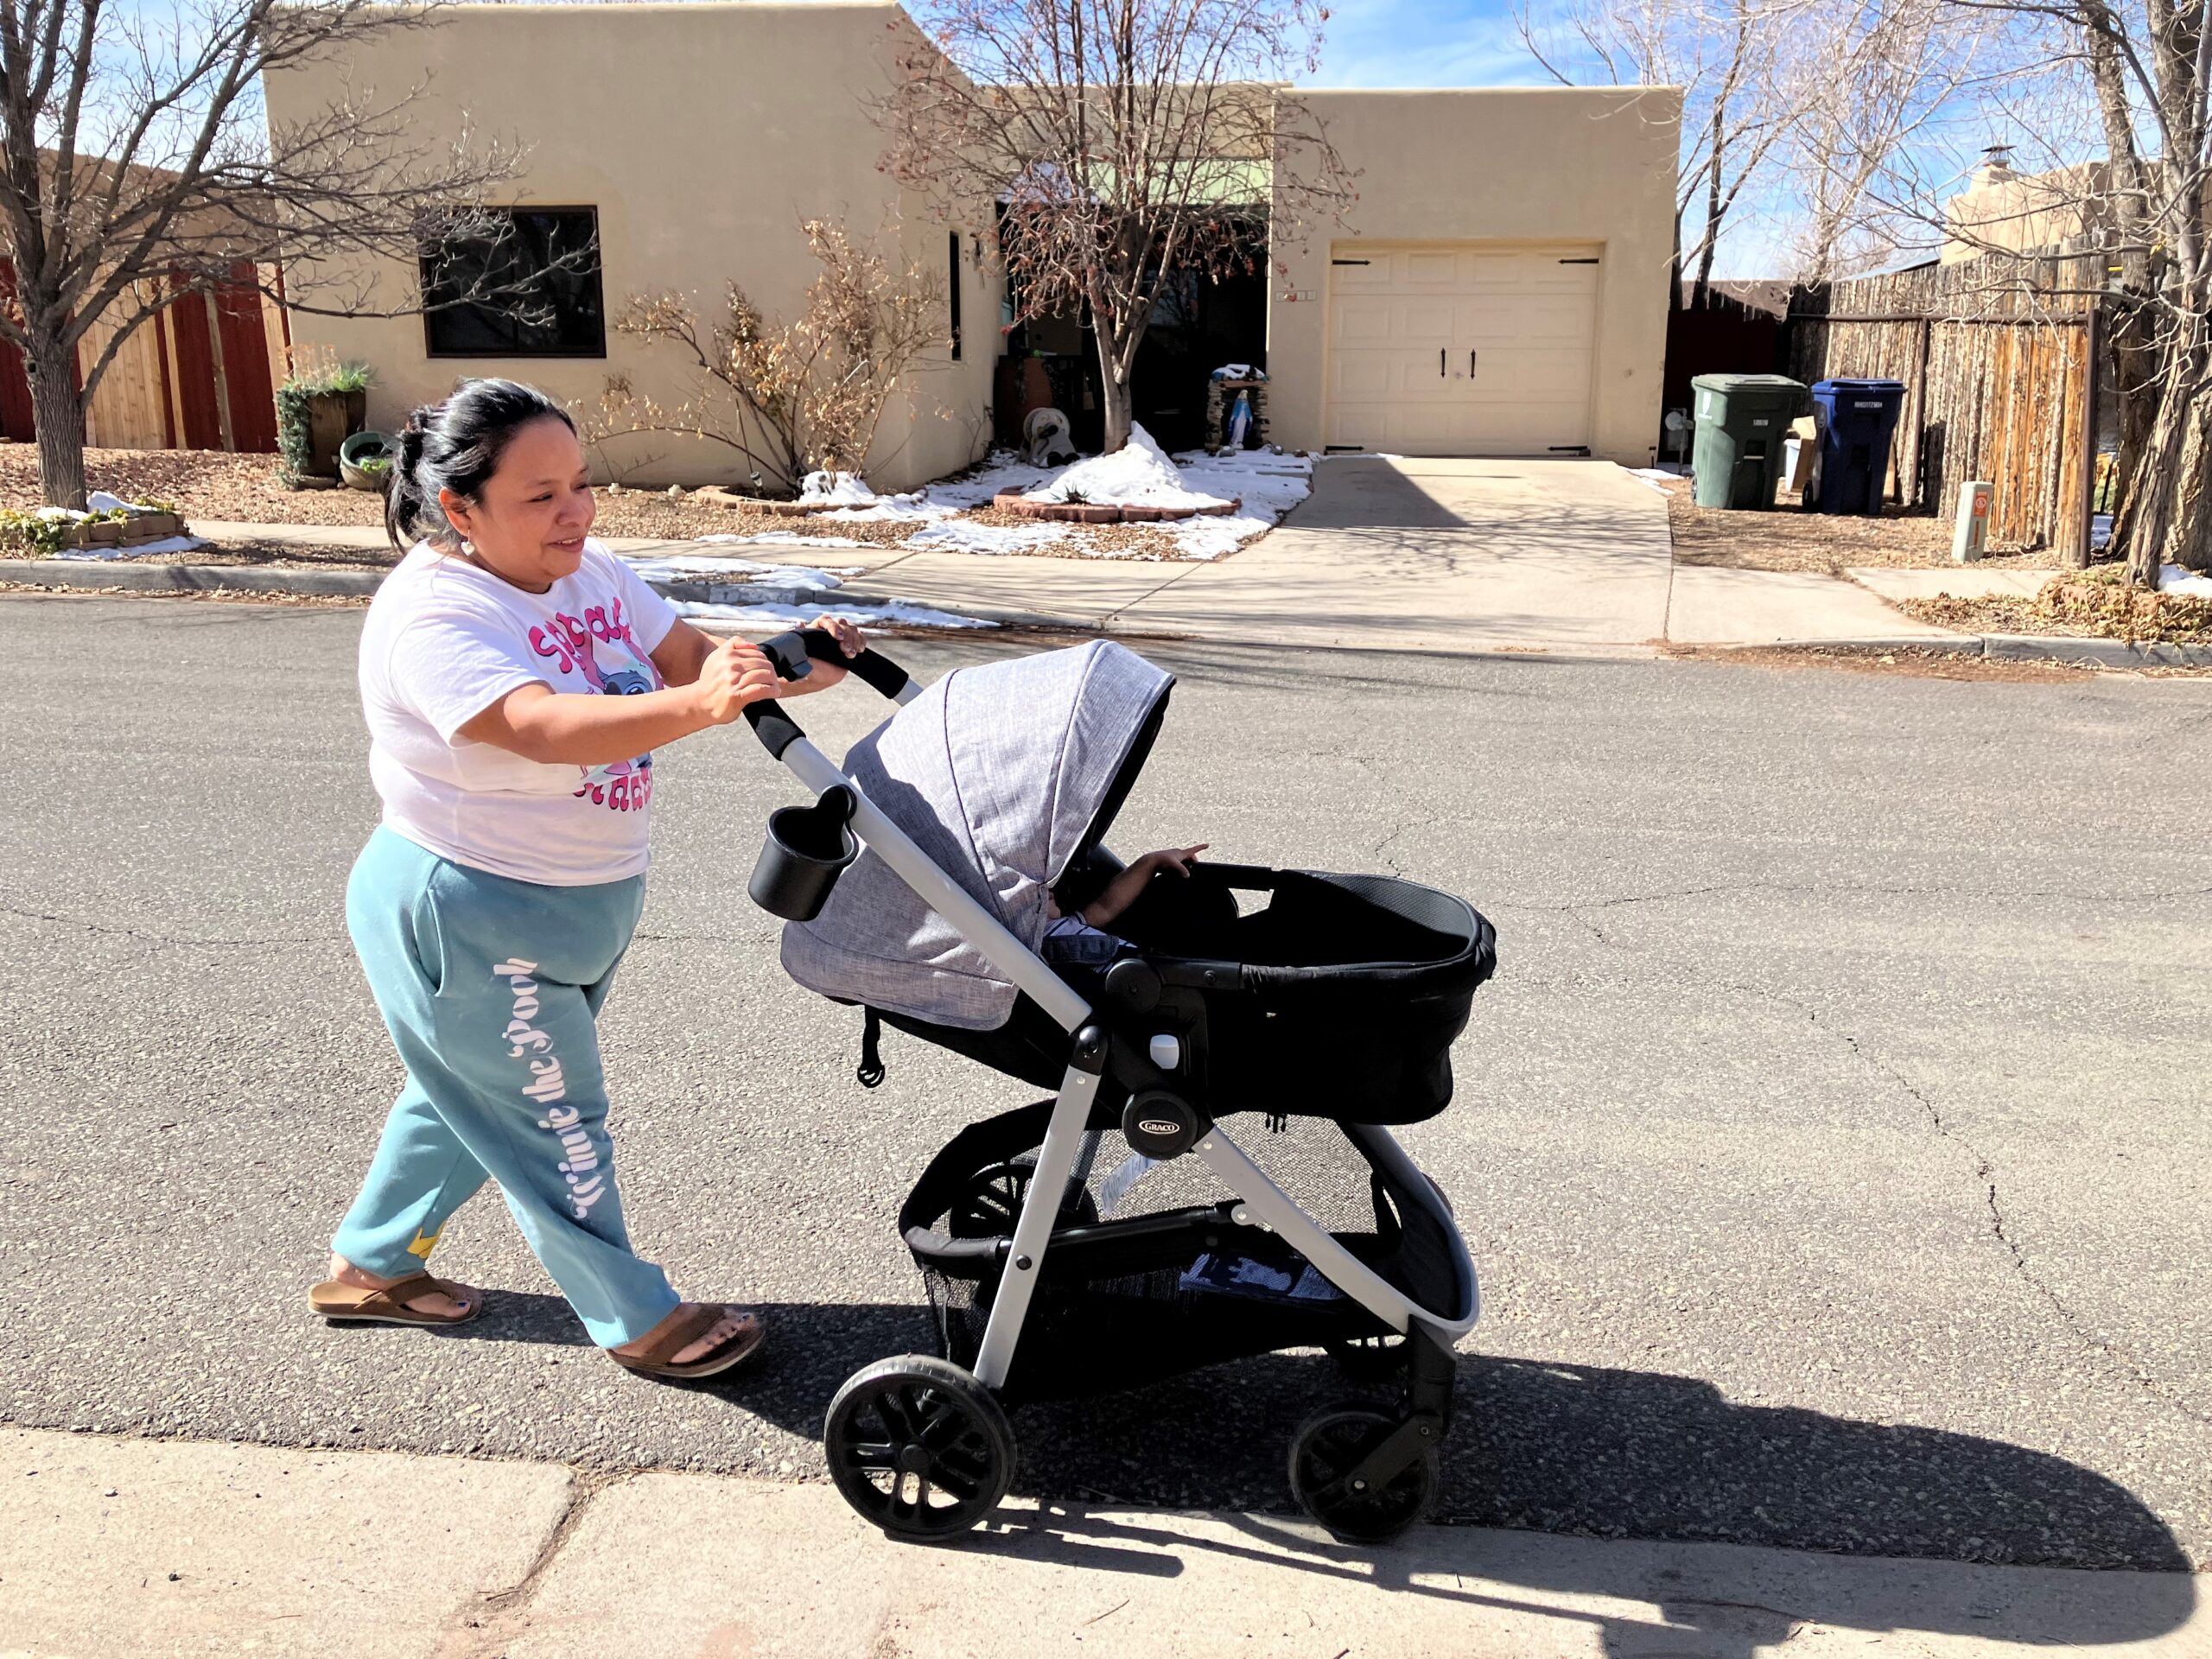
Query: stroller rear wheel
[
  {"x": 919, "y": 1447},
  {"x": 1326, "y": 1455},
  {"x": 992, "y": 1203}
]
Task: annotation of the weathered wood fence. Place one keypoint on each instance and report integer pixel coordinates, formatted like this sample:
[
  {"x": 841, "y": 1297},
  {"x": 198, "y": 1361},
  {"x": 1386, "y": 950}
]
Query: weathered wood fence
[
  {"x": 202, "y": 375},
  {"x": 1998, "y": 356}
]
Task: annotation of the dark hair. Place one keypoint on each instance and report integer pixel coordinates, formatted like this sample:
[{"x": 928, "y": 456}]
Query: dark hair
[{"x": 456, "y": 446}]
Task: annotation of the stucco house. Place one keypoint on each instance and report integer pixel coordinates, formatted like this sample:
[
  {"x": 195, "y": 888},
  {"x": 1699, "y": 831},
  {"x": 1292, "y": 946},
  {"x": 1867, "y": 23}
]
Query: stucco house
[{"x": 1500, "y": 287}]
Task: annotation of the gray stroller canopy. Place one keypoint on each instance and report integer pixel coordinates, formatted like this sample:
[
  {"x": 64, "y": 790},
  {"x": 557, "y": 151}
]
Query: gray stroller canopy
[{"x": 1001, "y": 773}]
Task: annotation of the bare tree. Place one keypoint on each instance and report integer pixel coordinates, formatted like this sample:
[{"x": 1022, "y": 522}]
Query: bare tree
[
  {"x": 1881, "y": 77},
  {"x": 1731, "y": 59},
  {"x": 136, "y": 171},
  {"x": 1129, "y": 141},
  {"x": 2109, "y": 105},
  {"x": 787, "y": 398}
]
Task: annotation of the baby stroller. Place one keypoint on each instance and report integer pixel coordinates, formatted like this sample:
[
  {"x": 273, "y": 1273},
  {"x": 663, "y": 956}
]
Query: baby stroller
[{"x": 1116, "y": 1232}]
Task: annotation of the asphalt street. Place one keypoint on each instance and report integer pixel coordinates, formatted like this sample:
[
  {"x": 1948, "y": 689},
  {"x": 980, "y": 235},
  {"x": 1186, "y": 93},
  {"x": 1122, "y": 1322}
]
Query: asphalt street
[{"x": 1832, "y": 1141}]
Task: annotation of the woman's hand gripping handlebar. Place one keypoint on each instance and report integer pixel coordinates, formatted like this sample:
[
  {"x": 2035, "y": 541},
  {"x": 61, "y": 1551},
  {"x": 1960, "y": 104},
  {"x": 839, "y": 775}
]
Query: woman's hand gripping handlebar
[{"x": 794, "y": 656}]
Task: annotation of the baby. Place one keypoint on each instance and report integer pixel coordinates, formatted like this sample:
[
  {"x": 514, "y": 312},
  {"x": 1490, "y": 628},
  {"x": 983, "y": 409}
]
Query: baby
[{"x": 1081, "y": 940}]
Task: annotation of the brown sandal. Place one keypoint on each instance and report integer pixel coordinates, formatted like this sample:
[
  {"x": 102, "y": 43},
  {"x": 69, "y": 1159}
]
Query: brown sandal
[
  {"x": 342, "y": 1303},
  {"x": 703, "y": 1317}
]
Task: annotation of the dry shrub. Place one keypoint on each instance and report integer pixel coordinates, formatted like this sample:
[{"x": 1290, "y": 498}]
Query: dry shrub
[
  {"x": 2075, "y": 604},
  {"x": 794, "y": 397}
]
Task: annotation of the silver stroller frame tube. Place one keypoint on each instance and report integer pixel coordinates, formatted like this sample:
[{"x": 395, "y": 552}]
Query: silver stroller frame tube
[{"x": 1262, "y": 1200}]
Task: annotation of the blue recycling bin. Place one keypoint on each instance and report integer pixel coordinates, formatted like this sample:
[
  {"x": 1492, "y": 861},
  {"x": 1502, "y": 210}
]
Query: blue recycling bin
[{"x": 1858, "y": 420}]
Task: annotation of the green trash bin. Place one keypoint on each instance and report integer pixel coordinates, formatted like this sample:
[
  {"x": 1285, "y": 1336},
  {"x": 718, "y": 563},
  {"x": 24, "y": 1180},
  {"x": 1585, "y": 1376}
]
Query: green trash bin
[{"x": 1741, "y": 422}]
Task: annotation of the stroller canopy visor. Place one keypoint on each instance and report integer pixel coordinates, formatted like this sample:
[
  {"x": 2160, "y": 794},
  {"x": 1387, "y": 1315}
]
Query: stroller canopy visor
[{"x": 1004, "y": 774}]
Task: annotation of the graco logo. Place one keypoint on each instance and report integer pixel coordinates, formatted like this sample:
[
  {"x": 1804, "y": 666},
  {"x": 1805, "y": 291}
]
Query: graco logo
[{"x": 1159, "y": 1125}]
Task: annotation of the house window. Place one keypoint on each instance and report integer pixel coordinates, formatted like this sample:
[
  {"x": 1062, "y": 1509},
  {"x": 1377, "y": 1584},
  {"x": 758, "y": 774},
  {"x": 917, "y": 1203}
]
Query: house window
[
  {"x": 952, "y": 286},
  {"x": 529, "y": 288}
]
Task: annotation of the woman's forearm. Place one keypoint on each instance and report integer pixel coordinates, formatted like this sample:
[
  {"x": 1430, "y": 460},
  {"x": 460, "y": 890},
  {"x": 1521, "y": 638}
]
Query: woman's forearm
[{"x": 586, "y": 728}]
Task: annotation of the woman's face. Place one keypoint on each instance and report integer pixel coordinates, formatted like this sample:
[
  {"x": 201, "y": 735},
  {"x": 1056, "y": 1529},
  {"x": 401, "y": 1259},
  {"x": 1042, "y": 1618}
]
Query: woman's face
[{"x": 530, "y": 523}]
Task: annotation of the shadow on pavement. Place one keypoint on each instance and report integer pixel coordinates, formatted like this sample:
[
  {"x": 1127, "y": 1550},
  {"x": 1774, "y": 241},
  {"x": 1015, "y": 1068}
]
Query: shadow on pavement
[{"x": 1565, "y": 1449}]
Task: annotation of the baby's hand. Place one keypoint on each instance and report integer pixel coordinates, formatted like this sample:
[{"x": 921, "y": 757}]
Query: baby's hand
[{"x": 1178, "y": 859}]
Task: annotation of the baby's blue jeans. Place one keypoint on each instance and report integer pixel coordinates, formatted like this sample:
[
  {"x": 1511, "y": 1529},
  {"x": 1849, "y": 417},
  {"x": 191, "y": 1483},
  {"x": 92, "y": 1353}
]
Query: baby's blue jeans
[{"x": 489, "y": 988}]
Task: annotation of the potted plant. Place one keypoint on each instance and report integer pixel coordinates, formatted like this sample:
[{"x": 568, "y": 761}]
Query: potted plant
[
  {"x": 365, "y": 461},
  {"x": 315, "y": 414}
]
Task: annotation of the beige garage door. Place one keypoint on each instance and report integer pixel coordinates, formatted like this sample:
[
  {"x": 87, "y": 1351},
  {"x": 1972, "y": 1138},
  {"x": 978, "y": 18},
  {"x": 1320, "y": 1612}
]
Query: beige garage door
[{"x": 1461, "y": 348}]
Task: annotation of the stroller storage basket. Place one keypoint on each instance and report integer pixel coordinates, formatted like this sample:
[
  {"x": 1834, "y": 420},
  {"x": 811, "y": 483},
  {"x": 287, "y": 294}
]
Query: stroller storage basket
[{"x": 1141, "y": 1293}]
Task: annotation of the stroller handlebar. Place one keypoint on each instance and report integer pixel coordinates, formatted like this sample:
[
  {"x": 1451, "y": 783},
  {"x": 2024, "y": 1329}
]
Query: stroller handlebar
[
  {"x": 794, "y": 652},
  {"x": 794, "y": 655}
]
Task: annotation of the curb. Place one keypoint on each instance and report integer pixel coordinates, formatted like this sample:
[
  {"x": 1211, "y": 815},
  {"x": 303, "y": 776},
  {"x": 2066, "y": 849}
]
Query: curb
[
  {"x": 2082, "y": 650},
  {"x": 360, "y": 584},
  {"x": 189, "y": 578}
]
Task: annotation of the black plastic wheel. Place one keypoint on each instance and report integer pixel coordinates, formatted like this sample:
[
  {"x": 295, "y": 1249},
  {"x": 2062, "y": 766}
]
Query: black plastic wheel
[
  {"x": 1328, "y": 1446},
  {"x": 992, "y": 1203},
  {"x": 919, "y": 1447},
  {"x": 1369, "y": 1359}
]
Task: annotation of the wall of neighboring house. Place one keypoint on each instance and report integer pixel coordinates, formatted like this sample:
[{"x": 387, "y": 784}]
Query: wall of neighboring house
[
  {"x": 2009, "y": 212},
  {"x": 703, "y": 134},
  {"x": 1473, "y": 176}
]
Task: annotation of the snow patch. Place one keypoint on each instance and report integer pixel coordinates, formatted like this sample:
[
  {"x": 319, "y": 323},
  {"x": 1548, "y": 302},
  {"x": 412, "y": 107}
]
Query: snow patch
[
  {"x": 1004, "y": 471},
  {"x": 779, "y": 538},
  {"x": 166, "y": 544},
  {"x": 2179, "y": 579},
  {"x": 838, "y": 489},
  {"x": 966, "y": 536},
  {"x": 1139, "y": 474},
  {"x": 898, "y": 613},
  {"x": 846, "y": 495},
  {"x": 681, "y": 566}
]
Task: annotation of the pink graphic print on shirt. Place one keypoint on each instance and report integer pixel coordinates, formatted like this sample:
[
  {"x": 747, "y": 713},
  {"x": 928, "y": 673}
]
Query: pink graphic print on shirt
[{"x": 624, "y": 785}]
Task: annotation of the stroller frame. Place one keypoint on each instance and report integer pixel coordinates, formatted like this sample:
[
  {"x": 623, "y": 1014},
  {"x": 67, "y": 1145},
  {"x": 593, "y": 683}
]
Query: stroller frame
[{"x": 1377, "y": 1465}]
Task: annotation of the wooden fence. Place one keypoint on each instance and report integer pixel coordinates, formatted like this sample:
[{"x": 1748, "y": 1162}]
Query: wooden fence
[
  {"x": 1998, "y": 356},
  {"x": 198, "y": 376}
]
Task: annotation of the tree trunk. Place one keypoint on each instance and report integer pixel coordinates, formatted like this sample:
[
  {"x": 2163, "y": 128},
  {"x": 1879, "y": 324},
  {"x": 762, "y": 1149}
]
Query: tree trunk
[
  {"x": 58, "y": 415},
  {"x": 2160, "y": 497},
  {"x": 2135, "y": 388},
  {"x": 2189, "y": 543},
  {"x": 1114, "y": 394}
]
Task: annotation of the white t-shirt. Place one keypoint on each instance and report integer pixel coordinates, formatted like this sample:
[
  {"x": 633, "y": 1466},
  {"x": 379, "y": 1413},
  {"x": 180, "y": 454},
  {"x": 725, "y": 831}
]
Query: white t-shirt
[{"x": 443, "y": 642}]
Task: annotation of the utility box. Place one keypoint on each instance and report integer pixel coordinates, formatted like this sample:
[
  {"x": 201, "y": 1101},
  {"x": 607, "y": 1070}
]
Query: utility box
[
  {"x": 1972, "y": 533},
  {"x": 1741, "y": 419},
  {"x": 1858, "y": 421}
]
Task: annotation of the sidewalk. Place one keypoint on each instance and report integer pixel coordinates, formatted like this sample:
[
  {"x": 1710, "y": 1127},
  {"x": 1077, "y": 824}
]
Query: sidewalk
[
  {"x": 153, "y": 1548},
  {"x": 1529, "y": 556}
]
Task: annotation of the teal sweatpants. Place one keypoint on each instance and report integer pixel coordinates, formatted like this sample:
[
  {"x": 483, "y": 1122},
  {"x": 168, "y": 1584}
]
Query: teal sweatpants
[{"x": 489, "y": 988}]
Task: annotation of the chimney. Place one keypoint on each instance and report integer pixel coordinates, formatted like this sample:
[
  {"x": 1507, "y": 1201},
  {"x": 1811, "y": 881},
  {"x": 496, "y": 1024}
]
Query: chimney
[{"x": 1996, "y": 166}]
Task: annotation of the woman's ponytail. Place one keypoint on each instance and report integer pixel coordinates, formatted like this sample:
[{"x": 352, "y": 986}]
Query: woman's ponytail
[{"x": 456, "y": 446}]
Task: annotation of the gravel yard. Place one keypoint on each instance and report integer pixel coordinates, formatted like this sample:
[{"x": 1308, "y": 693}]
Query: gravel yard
[
  {"x": 1788, "y": 538},
  {"x": 207, "y": 485}
]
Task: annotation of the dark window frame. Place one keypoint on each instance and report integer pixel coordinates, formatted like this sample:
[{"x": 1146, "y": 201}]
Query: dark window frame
[
  {"x": 575, "y": 351},
  {"x": 952, "y": 242}
]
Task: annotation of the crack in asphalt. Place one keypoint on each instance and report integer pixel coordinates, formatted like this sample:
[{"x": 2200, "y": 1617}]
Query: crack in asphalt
[
  {"x": 1984, "y": 1174},
  {"x": 109, "y": 931}
]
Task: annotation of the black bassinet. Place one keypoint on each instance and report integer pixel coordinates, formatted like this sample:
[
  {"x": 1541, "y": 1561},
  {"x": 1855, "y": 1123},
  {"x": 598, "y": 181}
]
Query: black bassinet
[{"x": 1340, "y": 997}]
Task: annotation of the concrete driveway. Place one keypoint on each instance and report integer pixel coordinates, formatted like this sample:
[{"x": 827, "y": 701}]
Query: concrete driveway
[{"x": 1473, "y": 554}]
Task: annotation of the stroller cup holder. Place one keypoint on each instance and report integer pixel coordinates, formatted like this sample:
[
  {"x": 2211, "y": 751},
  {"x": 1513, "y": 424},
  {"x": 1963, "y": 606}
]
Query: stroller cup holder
[{"x": 807, "y": 849}]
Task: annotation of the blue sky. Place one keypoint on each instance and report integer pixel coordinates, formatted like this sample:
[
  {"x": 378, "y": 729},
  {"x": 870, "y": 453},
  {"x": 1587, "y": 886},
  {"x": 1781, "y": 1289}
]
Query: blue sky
[{"x": 1392, "y": 43}]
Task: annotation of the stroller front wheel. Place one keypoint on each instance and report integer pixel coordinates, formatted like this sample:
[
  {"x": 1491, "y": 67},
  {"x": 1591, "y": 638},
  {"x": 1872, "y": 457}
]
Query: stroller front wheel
[
  {"x": 919, "y": 1447},
  {"x": 1327, "y": 1456}
]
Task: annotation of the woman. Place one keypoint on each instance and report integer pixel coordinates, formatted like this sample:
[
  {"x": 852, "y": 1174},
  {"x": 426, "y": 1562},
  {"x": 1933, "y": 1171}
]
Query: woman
[{"x": 516, "y": 676}]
